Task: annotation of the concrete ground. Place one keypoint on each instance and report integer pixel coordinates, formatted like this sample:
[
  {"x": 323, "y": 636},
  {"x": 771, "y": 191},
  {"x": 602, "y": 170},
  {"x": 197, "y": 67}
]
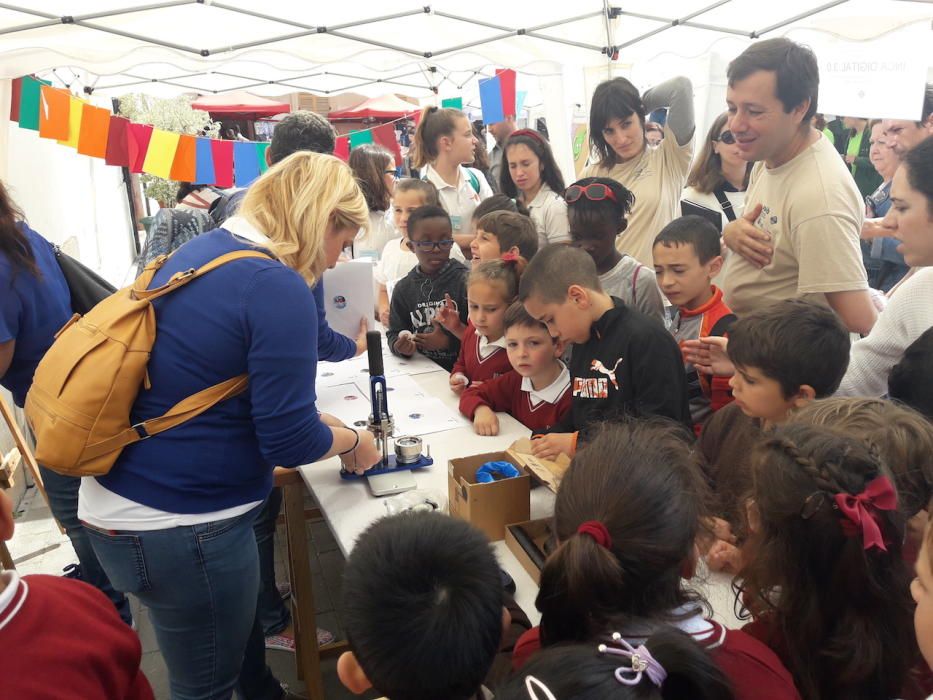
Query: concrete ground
[{"x": 38, "y": 548}]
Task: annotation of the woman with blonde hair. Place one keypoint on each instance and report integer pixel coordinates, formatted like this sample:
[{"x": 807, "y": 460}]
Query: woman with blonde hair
[
  {"x": 172, "y": 521},
  {"x": 719, "y": 176}
]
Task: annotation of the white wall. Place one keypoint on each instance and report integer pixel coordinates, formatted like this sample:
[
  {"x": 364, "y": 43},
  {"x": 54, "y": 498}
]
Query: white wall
[{"x": 68, "y": 196}]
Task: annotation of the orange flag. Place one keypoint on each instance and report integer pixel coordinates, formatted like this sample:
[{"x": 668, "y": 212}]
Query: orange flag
[
  {"x": 95, "y": 126},
  {"x": 54, "y": 106},
  {"x": 183, "y": 166},
  {"x": 75, "y": 111}
]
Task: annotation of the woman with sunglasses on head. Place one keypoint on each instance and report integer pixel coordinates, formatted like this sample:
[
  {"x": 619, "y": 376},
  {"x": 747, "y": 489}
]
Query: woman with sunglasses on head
[
  {"x": 719, "y": 176},
  {"x": 656, "y": 176},
  {"x": 532, "y": 177}
]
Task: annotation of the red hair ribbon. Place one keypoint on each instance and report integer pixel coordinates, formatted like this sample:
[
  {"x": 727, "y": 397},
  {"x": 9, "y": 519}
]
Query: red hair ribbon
[
  {"x": 861, "y": 511},
  {"x": 597, "y": 531},
  {"x": 530, "y": 133}
]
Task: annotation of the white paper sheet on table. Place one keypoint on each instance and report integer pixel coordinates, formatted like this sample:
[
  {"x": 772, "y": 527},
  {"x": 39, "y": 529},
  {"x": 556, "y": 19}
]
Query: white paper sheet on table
[
  {"x": 348, "y": 371},
  {"x": 345, "y": 402}
]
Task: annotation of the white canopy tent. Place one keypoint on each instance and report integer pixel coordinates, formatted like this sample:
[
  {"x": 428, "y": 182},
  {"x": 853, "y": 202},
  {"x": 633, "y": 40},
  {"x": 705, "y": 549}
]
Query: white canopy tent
[{"x": 561, "y": 51}]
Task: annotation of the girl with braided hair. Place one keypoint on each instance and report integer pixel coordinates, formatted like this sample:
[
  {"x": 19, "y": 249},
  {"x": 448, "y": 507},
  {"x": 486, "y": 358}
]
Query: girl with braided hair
[{"x": 823, "y": 572}]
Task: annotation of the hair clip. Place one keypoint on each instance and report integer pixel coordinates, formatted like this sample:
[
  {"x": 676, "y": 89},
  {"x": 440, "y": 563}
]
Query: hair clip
[
  {"x": 533, "y": 685},
  {"x": 811, "y": 506},
  {"x": 641, "y": 659}
]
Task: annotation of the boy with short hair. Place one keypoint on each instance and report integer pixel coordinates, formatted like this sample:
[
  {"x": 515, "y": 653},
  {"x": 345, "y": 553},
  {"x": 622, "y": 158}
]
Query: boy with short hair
[
  {"x": 911, "y": 379},
  {"x": 435, "y": 282},
  {"x": 687, "y": 256},
  {"x": 501, "y": 232},
  {"x": 623, "y": 362},
  {"x": 63, "y": 638},
  {"x": 423, "y": 606},
  {"x": 785, "y": 356},
  {"x": 537, "y": 393}
]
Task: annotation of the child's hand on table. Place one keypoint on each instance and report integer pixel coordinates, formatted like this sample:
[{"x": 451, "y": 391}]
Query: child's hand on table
[
  {"x": 485, "y": 421},
  {"x": 458, "y": 382},
  {"x": 405, "y": 344},
  {"x": 435, "y": 340},
  {"x": 552, "y": 445}
]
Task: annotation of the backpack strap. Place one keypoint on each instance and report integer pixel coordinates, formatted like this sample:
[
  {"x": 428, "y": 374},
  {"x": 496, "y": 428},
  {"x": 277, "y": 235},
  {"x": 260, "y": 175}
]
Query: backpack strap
[
  {"x": 179, "y": 279},
  {"x": 724, "y": 203},
  {"x": 184, "y": 410}
]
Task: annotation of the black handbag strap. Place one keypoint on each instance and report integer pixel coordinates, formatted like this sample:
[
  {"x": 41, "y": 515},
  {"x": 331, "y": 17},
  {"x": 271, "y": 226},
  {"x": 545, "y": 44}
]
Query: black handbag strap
[{"x": 724, "y": 203}]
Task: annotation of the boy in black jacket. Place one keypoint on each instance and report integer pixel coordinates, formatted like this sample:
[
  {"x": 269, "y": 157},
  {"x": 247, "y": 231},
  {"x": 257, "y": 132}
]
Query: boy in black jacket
[
  {"x": 623, "y": 362},
  {"x": 436, "y": 282}
]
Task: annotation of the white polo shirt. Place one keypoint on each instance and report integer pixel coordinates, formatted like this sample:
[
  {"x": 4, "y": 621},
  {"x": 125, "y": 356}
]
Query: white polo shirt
[
  {"x": 461, "y": 199},
  {"x": 549, "y": 212}
]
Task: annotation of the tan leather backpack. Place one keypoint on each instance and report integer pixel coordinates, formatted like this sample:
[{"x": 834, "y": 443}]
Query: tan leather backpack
[{"x": 86, "y": 384}]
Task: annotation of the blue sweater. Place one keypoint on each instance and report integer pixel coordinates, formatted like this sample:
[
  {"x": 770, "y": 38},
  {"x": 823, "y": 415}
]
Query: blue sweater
[
  {"x": 250, "y": 316},
  {"x": 32, "y": 310}
]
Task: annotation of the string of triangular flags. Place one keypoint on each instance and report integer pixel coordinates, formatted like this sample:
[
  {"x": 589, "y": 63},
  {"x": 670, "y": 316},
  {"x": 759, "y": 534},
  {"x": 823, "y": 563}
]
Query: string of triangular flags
[{"x": 94, "y": 131}]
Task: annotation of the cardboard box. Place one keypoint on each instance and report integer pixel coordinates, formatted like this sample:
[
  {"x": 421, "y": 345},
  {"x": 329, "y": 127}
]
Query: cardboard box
[
  {"x": 545, "y": 471},
  {"x": 526, "y": 540},
  {"x": 488, "y": 506}
]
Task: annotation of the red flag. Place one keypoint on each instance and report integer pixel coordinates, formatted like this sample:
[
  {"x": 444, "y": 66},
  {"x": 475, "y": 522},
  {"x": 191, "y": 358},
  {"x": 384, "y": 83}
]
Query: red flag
[
  {"x": 384, "y": 135},
  {"x": 183, "y": 167},
  {"x": 15, "y": 92},
  {"x": 342, "y": 148},
  {"x": 137, "y": 140},
  {"x": 223, "y": 162},
  {"x": 507, "y": 81},
  {"x": 117, "y": 150}
]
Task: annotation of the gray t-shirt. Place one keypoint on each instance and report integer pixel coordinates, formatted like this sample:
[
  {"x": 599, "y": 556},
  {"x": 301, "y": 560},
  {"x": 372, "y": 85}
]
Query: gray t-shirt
[{"x": 635, "y": 284}]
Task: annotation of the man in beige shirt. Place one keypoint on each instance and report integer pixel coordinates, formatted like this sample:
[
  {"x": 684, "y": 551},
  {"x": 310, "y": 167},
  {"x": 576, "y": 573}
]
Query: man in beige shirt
[{"x": 799, "y": 236}]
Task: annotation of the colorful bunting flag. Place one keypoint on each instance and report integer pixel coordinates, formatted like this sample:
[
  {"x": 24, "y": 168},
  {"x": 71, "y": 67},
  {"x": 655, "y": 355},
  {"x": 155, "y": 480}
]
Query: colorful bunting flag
[
  {"x": 95, "y": 127},
  {"x": 358, "y": 138},
  {"x": 245, "y": 163},
  {"x": 223, "y": 162},
  {"x": 204, "y": 162},
  {"x": 54, "y": 111},
  {"x": 342, "y": 148},
  {"x": 453, "y": 103},
  {"x": 490, "y": 97},
  {"x": 137, "y": 141},
  {"x": 75, "y": 112},
  {"x": 262, "y": 149},
  {"x": 16, "y": 88},
  {"x": 161, "y": 153},
  {"x": 384, "y": 135},
  {"x": 29, "y": 97},
  {"x": 507, "y": 81},
  {"x": 117, "y": 149},
  {"x": 520, "y": 101},
  {"x": 183, "y": 167}
]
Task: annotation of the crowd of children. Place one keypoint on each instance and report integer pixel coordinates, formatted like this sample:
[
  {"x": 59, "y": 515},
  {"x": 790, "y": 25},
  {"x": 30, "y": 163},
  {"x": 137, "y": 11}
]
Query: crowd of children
[{"x": 697, "y": 438}]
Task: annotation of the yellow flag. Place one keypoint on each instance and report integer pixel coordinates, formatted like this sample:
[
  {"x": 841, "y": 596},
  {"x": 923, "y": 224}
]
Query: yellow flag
[
  {"x": 161, "y": 153},
  {"x": 74, "y": 123}
]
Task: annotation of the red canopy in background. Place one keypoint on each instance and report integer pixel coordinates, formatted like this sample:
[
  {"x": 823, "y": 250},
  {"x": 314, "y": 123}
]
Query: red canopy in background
[
  {"x": 385, "y": 107},
  {"x": 240, "y": 105}
]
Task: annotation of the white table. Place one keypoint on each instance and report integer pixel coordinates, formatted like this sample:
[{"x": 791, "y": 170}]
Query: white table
[{"x": 350, "y": 508}]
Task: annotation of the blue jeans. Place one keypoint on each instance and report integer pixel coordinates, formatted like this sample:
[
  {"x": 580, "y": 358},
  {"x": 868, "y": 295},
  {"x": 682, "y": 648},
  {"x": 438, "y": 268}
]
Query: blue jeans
[
  {"x": 200, "y": 584},
  {"x": 273, "y": 614},
  {"x": 63, "y": 502}
]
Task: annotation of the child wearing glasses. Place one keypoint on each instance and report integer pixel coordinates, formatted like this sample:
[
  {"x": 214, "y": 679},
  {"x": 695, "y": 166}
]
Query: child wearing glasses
[
  {"x": 435, "y": 282},
  {"x": 597, "y": 208}
]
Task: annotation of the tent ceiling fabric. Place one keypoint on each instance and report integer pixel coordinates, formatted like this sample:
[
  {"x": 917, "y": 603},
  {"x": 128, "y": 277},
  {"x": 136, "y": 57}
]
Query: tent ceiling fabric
[{"x": 185, "y": 45}]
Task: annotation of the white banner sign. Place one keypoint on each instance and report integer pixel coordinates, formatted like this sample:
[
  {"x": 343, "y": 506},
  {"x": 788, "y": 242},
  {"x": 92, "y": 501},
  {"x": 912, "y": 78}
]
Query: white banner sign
[{"x": 858, "y": 82}]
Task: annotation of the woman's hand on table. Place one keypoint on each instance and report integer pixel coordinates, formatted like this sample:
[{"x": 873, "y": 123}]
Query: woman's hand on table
[
  {"x": 552, "y": 445},
  {"x": 485, "y": 421},
  {"x": 364, "y": 457},
  {"x": 361, "y": 337}
]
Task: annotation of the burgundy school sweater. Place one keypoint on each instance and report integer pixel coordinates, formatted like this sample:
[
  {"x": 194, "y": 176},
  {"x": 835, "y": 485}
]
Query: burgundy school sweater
[
  {"x": 63, "y": 638},
  {"x": 475, "y": 367},
  {"x": 505, "y": 394}
]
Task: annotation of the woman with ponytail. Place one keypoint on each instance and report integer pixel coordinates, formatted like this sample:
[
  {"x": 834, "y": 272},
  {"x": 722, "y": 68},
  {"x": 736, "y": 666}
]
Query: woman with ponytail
[
  {"x": 444, "y": 143},
  {"x": 669, "y": 665},
  {"x": 824, "y": 573},
  {"x": 626, "y": 519}
]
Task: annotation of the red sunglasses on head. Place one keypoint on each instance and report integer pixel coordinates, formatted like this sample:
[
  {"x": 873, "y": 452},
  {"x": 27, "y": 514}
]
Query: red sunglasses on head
[{"x": 595, "y": 192}]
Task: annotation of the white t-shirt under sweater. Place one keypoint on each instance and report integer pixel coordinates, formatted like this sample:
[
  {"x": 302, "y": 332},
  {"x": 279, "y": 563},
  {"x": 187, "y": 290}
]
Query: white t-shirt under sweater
[
  {"x": 548, "y": 210},
  {"x": 636, "y": 285},
  {"x": 813, "y": 212},
  {"x": 397, "y": 261},
  {"x": 907, "y": 316},
  {"x": 379, "y": 232}
]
